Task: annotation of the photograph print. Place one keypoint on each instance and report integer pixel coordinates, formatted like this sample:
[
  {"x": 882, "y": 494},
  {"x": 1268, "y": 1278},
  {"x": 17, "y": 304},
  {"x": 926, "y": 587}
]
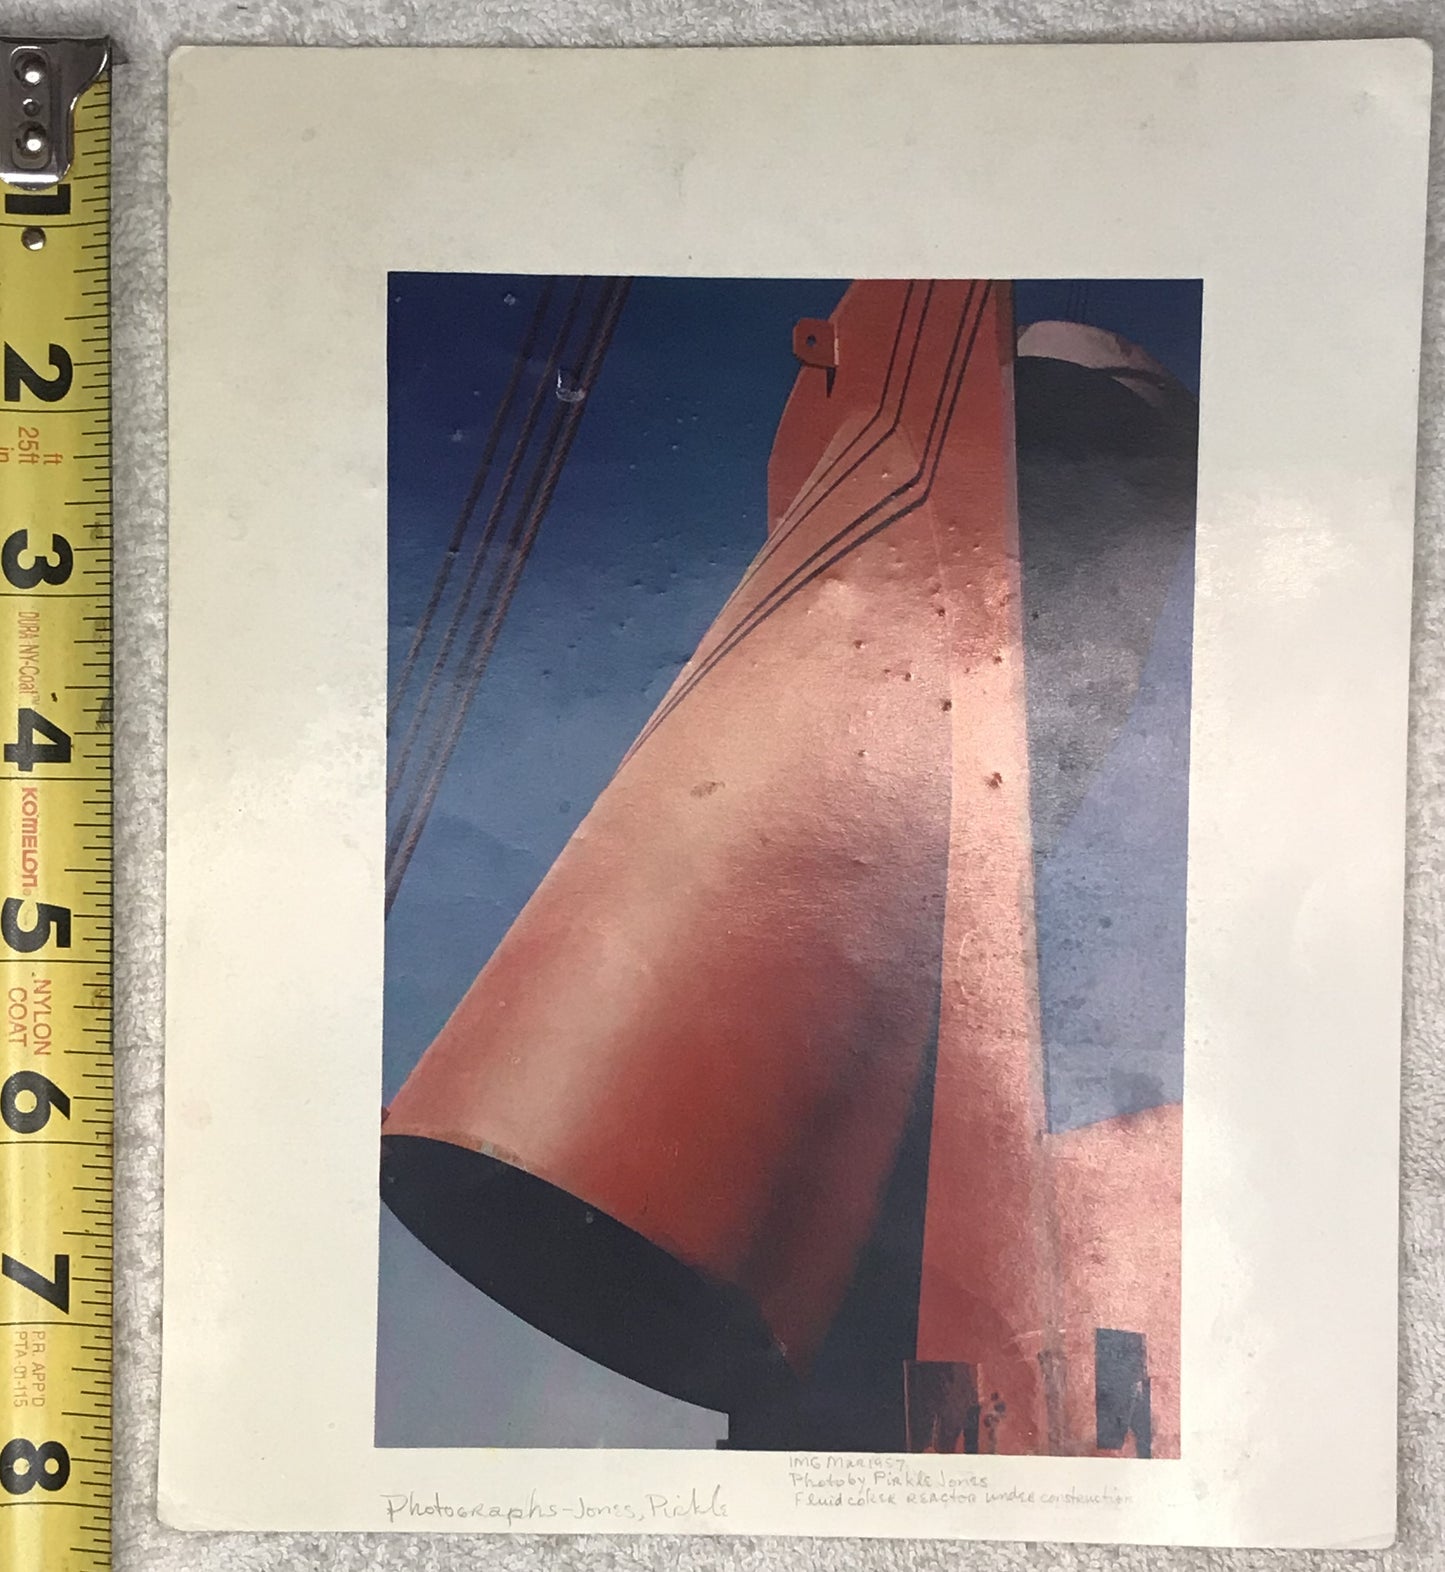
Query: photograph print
[{"x": 787, "y": 821}]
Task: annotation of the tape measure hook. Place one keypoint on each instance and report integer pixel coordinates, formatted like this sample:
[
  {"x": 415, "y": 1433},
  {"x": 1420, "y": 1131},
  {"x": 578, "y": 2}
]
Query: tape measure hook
[{"x": 41, "y": 80}]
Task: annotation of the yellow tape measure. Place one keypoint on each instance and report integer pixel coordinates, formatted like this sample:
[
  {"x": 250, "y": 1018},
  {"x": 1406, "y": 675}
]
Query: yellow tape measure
[{"x": 55, "y": 807}]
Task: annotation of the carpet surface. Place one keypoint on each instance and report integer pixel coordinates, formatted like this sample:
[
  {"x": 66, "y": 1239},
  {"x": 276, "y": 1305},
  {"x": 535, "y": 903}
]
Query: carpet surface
[{"x": 146, "y": 31}]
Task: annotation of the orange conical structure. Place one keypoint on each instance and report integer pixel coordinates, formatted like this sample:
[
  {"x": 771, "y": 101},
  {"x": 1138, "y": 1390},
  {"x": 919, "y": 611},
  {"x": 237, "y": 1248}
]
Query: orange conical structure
[{"x": 704, "y": 1031}]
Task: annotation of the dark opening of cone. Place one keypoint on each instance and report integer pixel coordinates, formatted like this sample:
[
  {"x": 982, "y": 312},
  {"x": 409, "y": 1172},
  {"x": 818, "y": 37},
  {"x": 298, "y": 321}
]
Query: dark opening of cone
[{"x": 583, "y": 1277}]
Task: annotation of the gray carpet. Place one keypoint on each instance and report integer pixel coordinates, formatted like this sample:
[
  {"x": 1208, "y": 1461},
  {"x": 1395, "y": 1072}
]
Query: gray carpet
[{"x": 146, "y": 31}]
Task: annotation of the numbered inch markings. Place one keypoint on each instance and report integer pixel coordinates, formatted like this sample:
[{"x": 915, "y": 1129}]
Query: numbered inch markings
[{"x": 55, "y": 865}]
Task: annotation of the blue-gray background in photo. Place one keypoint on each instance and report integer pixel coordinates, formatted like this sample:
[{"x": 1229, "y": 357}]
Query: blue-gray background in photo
[{"x": 660, "y": 507}]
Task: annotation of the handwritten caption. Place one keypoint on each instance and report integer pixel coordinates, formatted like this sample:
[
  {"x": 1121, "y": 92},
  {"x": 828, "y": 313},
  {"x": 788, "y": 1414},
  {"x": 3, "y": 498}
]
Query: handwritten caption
[
  {"x": 537, "y": 1511},
  {"x": 817, "y": 1483},
  {"x": 822, "y": 1482}
]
